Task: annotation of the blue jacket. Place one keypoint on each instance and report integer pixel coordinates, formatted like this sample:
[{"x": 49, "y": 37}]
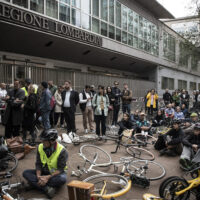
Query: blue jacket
[{"x": 45, "y": 101}]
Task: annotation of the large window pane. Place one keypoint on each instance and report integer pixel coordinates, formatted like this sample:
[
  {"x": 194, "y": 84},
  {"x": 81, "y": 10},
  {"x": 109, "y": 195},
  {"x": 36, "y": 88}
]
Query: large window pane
[
  {"x": 130, "y": 40},
  {"x": 95, "y": 25},
  {"x": 118, "y": 35},
  {"x": 86, "y": 6},
  {"x": 104, "y": 29},
  {"x": 104, "y": 10},
  {"x": 124, "y": 18},
  {"x": 130, "y": 21},
  {"x": 65, "y": 1},
  {"x": 95, "y": 7},
  {"x": 141, "y": 44},
  {"x": 149, "y": 32},
  {"x": 86, "y": 21},
  {"x": 140, "y": 27},
  {"x": 118, "y": 14},
  {"x": 76, "y": 3},
  {"x": 112, "y": 32},
  {"x": 52, "y": 8},
  {"x": 145, "y": 29},
  {"x": 64, "y": 14},
  {"x": 111, "y": 11},
  {"x": 135, "y": 42},
  {"x": 23, "y": 3},
  {"x": 37, "y": 6},
  {"x": 76, "y": 17},
  {"x": 124, "y": 37},
  {"x": 136, "y": 25}
]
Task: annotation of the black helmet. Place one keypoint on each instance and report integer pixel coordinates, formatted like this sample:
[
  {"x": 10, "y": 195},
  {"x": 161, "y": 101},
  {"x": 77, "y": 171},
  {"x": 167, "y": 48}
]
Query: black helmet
[
  {"x": 28, "y": 81},
  {"x": 197, "y": 126},
  {"x": 51, "y": 134},
  {"x": 176, "y": 121}
]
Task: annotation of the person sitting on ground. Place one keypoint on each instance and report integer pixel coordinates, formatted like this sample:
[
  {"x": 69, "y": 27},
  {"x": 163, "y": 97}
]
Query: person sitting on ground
[
  {"x": 191, "y": 148},
  {"x": 50, "y": 171},
  {"x": 179, "y": 114},
  {"x": 169, "y": 112},
  {"x": 142, "y": 124},
  {"x": 159, "y": 119},
  {"x": 184, "y": 110},
  {"x": 125, "y": 124},
  {"x": 172, "y": 140},
  {"x": 135, "y": 117},
  {"x": 189, "y": 125}
]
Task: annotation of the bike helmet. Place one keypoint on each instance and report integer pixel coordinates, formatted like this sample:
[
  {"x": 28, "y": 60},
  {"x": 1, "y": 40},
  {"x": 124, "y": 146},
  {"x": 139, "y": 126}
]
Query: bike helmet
[
  {"x": 28, "y": 81},
  {"x": 51, "y": 134},
  {"x": 176, "y": 121},
  {"x": 194, "y": 115},
  {"x": 197, "y": 126}
]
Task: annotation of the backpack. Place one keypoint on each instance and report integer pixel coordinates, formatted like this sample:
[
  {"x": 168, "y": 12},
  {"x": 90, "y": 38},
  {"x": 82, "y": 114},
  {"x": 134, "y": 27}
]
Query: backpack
[
  {"x": 160, "y": 143},
  {"x": 52, "y": 102}
]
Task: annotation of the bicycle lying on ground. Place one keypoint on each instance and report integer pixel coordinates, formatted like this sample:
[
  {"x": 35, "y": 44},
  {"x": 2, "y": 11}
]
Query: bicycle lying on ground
[{"x": 109, "y": 185}]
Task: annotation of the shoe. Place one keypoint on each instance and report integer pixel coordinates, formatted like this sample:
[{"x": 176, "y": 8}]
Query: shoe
[
  {"x": 171, "y": 153},
  {"x": 162, "y": 152},
  {"x": 27, "y": 187},
  {"x": 92, "y": 131},
  {"x": 86, "y": 131},
  {"x": 184, "y": 163},
  {"x": 49, "y": 191},
  {"x": 62, "y": 126},
  {"x": 99, "y": 138}
]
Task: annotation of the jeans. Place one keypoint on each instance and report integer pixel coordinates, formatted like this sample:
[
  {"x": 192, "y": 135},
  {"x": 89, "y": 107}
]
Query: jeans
[
  {"x": 69, "y": 115},
  {"x": 126, "y": 108},
  {"x": 55, "y": 181},
  {"x": 116, "y": 109},
  {"x": 45, "y": 120},
  {"x": 100, "y": 119}
]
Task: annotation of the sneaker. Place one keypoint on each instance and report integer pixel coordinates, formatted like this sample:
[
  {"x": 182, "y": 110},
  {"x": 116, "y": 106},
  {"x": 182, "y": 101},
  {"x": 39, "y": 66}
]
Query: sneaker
[
  {"x": 49, "y": 191},
  {"x": 171, "y": 153},
  {"x": 92, "y": 131},
  {"x": 162, "y": 152},
  {"x": 183, "y": 163},
  {"x": 86, "y": 131}
]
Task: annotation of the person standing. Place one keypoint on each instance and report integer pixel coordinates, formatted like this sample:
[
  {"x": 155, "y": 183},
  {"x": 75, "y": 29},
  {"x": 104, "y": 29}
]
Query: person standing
[
  {"x": 70, "y": 100},
  {"x": 116, "y": 106},
  {"x": 45, "y": 107},
  {"x": 185, "y": 97},
  {"x": 100, "y": 103},
  {"x": 152, "y": 97},
  {"x": 126, "y": 99},
  {"x": 58, "y": 114},
  {"x": 167, "y": 97},
  {"x": 14, "y": 113},
  {"x": 86, "y": 108},
  {"x": 27, "y": 83}
]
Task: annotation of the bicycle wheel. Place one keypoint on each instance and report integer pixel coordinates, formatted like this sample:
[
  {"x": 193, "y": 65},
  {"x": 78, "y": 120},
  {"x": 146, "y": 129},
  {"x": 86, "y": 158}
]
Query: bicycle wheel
[
  {"x": 140, "y": 153},
  {"x": 8, "y": 164},
  {"x": 149, "y": 169},
  {"x": 145, "y": 139},
  {"x": 171, "y": 186},
  {"x": 95, "y": 155},
  {"x": 107, "y": 186}
]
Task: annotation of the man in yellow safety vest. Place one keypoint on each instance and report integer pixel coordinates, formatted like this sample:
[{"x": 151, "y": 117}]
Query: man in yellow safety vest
[{"x": 51, "y": 165}]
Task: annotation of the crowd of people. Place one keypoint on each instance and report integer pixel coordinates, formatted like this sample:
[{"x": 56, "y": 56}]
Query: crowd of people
[{"x": 55, "y": 106}]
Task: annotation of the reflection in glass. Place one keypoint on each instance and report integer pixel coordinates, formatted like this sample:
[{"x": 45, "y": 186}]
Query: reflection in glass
[
  {"x": 37, "y": 5},
  {"x": 23, "y": 3},
  {"x": 124, "y": 37},
  {"x": 135, "y": 25},
  {"x": 135, "y": 42},
  {"x": 130, "y": 40},
  {"x": 52, "y": 8},
  {"x": 130, "y": 21},
  {"x": 86, "y": 21},
  {"x": 86, "y": 6},
  {"x": 104, "y": 10},
  {"x": 76, "y": 3},
  {"x": 141, "y": 44},
  {"x": 118, "y": 14},
  {"x": 104, "y": 29},
  {"x": 140, "y": 27},
  {"x": 124, "y": 18},
  {"x": 95, "y": 25},
  {"x": 111, "y": 32},
  {"x": 76, "y": 17},
  {"x": 64, "y": 14},
  {"x": 118, "y": 34},
  {"x": 111, "y": 11},
  {"x": 95, "y": 7},
  {"x": 65, "y": 1}
]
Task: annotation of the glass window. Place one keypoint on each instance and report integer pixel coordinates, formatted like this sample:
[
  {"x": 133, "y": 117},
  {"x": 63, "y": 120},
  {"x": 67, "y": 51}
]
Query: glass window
[
  {"x": 130, "y": 40},
  {"x": 198, "y": 86},
  {"x": 193, "y": 86},
  {"x": 95, "y": 25},
  {"x": 145, "y": 29},
  {"x": 86, "y": 6},
  {"x": 76, "y": 17},
  {"x": 95, "y": 7},
  {"x": 167, "y": 83},
  {"x": 104, "y": 29},
  {"x": 130, "y": 21},
  {"x": 118, "y": 35},
  {"x": 111, "y": 11},
  {"x": 52, "y": 8},
  {"x": 135, "y": 25},
  {"x": 37, "y": 6},
  {"x": 118, "y": 14},
  {"x": 64, "y": 14},
  {"x": 141, "y": 44},
  {"x": 65, "y": 1},
  {"x": 124, "y": 18},
  {"x": 86, "y": 21},
  {"x": 111, "y": 32},
  {"x": 104, "y": 10},
  {"x": 183, "y": 55},
  {"x": 149, "y": 32},
  {"x": 182, "y": 84},
  {"x": 135, "y": 42},
  {"x": 124, "y": 37},
  {"x": 140, "y": 27},
  {"x": 171, "y": 84},
  {"x": 23, "y": 3},
  {"x": 76, "y": 3}
]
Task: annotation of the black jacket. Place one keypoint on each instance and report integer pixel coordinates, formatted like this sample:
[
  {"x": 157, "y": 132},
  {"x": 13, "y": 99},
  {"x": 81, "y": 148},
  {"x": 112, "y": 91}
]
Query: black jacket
[
  {"x": 167, "y": 97},
  {"x": 176, "y": 136},
  {"x": 123, "y": 125},
  {"x": 117, "y": 95},
  {"x": 111, "y": 96},
  {"x": 74, "y": 99},
  {"x": 191, "y": 139}
]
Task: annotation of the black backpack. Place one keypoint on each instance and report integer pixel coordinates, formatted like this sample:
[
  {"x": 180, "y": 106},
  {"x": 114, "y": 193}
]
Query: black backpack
[{"x": 160, "y": 143}]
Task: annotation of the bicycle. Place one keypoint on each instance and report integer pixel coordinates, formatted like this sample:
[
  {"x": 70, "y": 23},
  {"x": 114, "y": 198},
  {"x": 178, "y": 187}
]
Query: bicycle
[
  {"x": 179, "y": 188},
  {"x": 144, "y": 138}
]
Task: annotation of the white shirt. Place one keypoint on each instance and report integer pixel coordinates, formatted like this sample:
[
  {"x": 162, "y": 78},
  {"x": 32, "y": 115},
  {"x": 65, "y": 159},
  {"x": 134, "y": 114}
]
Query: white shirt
[
  {"x": 3, "y": 93},
  {"x": 67, "y": 99},
  {"x": 88, "y": 103}
]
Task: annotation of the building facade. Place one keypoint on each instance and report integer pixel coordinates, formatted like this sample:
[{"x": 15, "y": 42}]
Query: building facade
[{"x": 94, "y": 42}]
